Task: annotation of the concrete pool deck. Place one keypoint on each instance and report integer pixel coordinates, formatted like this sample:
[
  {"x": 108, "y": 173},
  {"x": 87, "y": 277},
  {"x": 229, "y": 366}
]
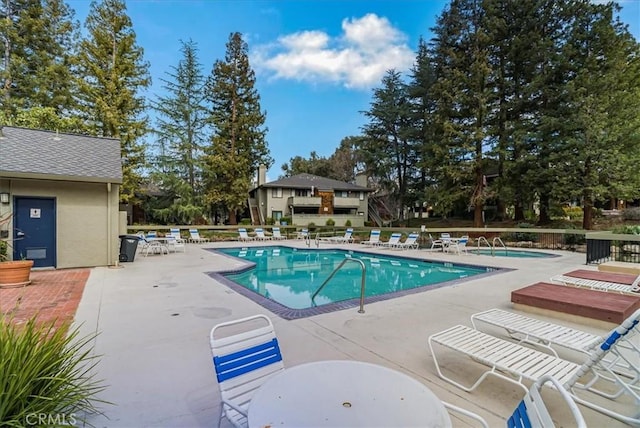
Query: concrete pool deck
[{"x": 154, "y": 316}]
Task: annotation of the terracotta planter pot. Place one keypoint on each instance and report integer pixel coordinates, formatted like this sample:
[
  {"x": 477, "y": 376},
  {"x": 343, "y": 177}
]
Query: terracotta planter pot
[{"x": 15, "y": 273}]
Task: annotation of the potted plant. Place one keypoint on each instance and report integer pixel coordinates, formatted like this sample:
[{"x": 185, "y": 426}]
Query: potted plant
[{"x": 13, "y": 273}]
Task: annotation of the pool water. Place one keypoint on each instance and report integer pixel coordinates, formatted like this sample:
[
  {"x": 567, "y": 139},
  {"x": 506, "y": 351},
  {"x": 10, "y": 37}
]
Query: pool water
[
  {"x": 501, "y": 252},
  {"x": 290, "y": 276}
]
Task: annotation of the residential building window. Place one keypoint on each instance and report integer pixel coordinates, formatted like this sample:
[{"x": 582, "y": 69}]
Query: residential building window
[
  {"x": 276, "y": 192},
  {"x": 276, "y": 215},
  {"x": 302, "y": 192}
]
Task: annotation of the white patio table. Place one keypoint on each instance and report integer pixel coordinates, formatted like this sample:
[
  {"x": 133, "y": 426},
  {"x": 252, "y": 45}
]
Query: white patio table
[{"x": 345, "y": 393}]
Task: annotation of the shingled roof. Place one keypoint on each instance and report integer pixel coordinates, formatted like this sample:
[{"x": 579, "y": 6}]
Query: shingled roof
[
  {"x": 32, "y": 153},
  {"x": 305, "y": 181}
]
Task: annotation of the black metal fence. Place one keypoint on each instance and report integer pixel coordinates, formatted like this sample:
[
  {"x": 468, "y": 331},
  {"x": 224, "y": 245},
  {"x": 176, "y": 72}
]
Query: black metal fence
[{"x": 604, "y": 249}]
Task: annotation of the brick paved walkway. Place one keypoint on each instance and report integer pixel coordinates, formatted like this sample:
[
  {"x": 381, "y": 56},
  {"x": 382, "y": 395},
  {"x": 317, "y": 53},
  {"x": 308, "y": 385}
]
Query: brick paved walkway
[{"x": 52, "y": 295}]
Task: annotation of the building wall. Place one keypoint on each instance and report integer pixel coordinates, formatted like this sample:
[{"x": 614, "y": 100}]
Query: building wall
[
  {"x": 267, "y": 204},
  {"x": 86, "y": 219}
]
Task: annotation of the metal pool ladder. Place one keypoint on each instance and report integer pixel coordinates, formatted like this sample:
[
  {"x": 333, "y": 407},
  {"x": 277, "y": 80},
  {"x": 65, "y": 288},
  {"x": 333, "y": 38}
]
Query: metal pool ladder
[
  {"x": 483, "y": 239},
  {"x": 497, "y": 238},
  {"x": 307, "y": 240},
  {"x": 364, "y": 270}
]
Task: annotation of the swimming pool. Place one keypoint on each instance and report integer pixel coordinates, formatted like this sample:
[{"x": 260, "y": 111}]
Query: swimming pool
[
  {"x": 501, "y": 252},
  {"x": 284, "y": 279}
]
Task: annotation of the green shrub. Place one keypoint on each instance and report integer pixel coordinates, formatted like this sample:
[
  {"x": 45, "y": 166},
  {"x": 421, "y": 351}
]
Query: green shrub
[
  {"x": 46, "y": 370},
  {"x": 571, "y": 240},
  {"x": 521, "y": 236},
  {"x": 3, "y": 250},
  {"x": 330, "y": 222},
  {"x": 574, "y": 213},
  {"x": 627, "y": 230},
  {"x": 245, "y": 221},
  {"x": 347, "y": 223},
  {"x": 285, "y": 220},
  {"x": 311, "y": 226},
  {"x": 631, "y": 213},
  {"x": 270, "y": 221}
]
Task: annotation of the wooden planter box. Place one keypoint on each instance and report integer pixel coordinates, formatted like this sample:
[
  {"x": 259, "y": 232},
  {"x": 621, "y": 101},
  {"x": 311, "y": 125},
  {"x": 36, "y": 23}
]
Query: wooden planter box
[{"x": 15, "y": 273}]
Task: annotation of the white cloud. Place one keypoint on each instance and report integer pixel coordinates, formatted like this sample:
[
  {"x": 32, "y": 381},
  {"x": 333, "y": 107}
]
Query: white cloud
[{"x": 358, "y": 58}]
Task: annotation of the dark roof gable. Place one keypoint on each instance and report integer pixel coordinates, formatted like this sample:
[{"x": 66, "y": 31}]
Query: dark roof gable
[
  {"x": 306, "y": 181},
  {"x": 32, "y": 153}
]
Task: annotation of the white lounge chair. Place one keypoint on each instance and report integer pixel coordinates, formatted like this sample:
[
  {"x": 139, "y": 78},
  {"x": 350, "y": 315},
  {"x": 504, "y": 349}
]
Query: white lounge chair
[
  {"x": 175, "y": 244},
  {"x": 244, "y": 236},
  {"x": 594, "y": 284},
  {"x": 303, "y": 234},
  {"x": 532, "y": 412},
  {"x": 152, "y": 244},
  {"x": 374, "y": 238},
  {"x": 340, "y": 239},
  {"x": 175, "y": 241},
  {"x": 442, "y": 243},
  {"x": 410, "y": 243},
  {"x": 175, "y": 232},
  {"x": 243, "y": 361},
  {"x": 194, "y": 236},
  {"x": 276, "y": 234},
  {"x": 549, "y": 336},
  {"x": 393, "y": 240},
  {"x": 536, "y": 332},
  {"x": 515, "y": 363},
  {"x": 457, "y": 245},
  {"x": 260, "y": 236}
]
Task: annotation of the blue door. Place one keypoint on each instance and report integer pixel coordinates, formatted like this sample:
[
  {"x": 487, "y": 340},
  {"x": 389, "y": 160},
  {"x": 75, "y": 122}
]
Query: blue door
[{"x": 34, "y": 231}]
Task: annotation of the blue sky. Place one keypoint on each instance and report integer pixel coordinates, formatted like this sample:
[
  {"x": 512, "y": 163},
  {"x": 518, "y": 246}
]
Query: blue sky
[{"x": 316, "y": 61}]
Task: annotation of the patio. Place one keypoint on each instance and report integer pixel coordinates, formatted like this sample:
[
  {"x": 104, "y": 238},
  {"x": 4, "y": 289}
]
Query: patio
[{"x": 154, "y": 317}]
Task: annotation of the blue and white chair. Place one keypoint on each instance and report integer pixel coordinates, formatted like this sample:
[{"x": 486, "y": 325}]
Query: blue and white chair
[
  {"x": 394, "y": 239},
  {"x": 374, "y": 238},
  {"x": 245, "y": 354},
  {"x": 194, "y": 236},
  {"x": 260, "y": 236},
  {"x": 532, "y": 412},
  {"x": 243, "y": 235},
  {"x": 411, "y": 243},
  {"x": 277, "y": 235}
]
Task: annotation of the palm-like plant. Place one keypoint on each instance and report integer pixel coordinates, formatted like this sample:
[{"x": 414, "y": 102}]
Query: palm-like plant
[{"x": 46, "y": 374}]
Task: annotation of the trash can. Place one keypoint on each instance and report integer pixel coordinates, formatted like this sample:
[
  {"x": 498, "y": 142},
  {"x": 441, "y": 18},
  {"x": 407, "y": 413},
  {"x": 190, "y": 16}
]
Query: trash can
[{"x": 128, "y": 247}]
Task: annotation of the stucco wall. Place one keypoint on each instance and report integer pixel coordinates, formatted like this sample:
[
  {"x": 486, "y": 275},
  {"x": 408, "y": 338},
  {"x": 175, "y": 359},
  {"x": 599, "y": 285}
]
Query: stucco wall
[{"x": 86, "y": 220}]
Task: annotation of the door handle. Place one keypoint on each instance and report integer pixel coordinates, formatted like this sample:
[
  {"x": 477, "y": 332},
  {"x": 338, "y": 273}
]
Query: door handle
[{"x": 20, "y": 234}]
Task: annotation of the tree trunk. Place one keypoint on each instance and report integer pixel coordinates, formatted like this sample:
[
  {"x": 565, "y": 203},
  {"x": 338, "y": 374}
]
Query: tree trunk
[
  {"x": 518, "y": 211},
  {"x": 587, "y": 214},
  {"x": 544, "y": 218},
  {"x": 501, "y": 210},
  {"x": 477, "y": 216},
  {"x": 232, "y": 217}
]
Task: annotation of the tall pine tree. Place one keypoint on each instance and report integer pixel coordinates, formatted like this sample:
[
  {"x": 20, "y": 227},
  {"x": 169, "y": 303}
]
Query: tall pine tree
[
  {"x": 180, "y": 127},
  {"x": 238, "y": 145},
  {"x": 113, "y": 74},
  {"x": 462, "y": 66},
  {"x": 39, "y": 41},
  {"x": 388, "y": 150}
]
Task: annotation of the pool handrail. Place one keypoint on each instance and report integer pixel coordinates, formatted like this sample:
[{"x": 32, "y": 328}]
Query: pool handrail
[
  {"x": 501, "y": 243},
  {"x": 482, "y": 238},
  {"x": 362, "y": 283}
]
